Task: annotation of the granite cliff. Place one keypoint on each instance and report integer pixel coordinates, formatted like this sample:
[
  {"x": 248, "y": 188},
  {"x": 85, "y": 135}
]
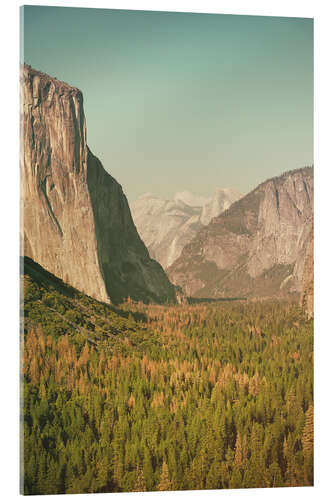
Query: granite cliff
[
  {"x": 306, "y": 299},
  {"x": 255, "y": 248},
  {"x": 167, "y": 226},
  {"x": 76, "y": 219}
]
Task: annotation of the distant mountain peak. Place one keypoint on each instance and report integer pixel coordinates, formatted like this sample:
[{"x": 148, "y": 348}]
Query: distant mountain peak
[
  {"x": 147, "y": 195},
  {"x": 190, "y": 199},
  {"x": 166, "y": 226}
]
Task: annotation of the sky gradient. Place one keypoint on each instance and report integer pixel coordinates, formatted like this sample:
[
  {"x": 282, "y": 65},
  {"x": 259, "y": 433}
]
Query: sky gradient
[{"x": 178, "y": 102}]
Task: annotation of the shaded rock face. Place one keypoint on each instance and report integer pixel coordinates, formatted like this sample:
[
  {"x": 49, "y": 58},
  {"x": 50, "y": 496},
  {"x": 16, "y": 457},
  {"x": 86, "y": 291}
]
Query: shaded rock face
[
  {"x": 77, "y": 223},
  {"x": 124, "y": 260},
  {"x": 167, "y": 226},
  {"x": 255, "y": 248},
  {"x": 306, "y": 299}
]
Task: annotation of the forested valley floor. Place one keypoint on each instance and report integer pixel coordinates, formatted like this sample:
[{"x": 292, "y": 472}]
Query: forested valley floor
[{"x": 140, "y": 398}]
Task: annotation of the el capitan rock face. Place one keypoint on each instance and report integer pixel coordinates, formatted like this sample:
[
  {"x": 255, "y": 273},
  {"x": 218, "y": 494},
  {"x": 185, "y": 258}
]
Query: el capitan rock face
[
  {"x": 77, "y": 223},
  {"x": 255, "y": 248}
]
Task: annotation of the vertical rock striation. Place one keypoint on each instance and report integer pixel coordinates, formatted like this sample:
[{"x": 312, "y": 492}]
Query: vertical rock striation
[
  {"x": 306, "y": 300},
  {"x": 255, "y": 248},
  {"x": 77, "y": 223}
]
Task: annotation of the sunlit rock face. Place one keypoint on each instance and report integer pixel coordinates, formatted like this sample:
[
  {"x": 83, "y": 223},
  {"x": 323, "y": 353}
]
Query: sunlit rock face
[
  {"x": 77, "y": 223},
  {"x": 306, "y": 300},
  {"x": 255, "y": 248},
  {"x": 167, "y": 226}
]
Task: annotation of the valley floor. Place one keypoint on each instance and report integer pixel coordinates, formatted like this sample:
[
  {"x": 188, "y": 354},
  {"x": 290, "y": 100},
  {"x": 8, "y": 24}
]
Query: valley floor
[{"x": 210, "y": 395}]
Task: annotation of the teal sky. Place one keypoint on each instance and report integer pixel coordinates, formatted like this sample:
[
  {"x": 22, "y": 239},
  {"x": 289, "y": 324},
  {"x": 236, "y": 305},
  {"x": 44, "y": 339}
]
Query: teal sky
[{"x": 178, "y": 101}]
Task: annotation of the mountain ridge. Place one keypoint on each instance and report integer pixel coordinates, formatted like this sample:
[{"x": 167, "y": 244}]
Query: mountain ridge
[{"x": 254, "y": 245}]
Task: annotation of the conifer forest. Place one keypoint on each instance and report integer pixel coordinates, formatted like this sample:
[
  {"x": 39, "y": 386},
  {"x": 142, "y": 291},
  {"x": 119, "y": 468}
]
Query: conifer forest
[{"x": 174, "y": 397}]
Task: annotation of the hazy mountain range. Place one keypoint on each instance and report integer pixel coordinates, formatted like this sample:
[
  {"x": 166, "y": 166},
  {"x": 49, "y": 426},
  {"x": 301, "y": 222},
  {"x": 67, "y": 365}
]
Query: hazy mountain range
[{"x": 166, "y": 226}]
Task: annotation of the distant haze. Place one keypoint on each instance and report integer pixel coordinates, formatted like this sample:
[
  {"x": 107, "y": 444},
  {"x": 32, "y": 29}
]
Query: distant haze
[
  {"x": 191, "y": 199},
  {"x": 183, "y": 102},
  {"x": 167, "y": 226}
]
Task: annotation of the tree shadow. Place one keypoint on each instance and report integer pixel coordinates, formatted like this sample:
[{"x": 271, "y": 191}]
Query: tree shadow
[
  {"x": 195, "y": 300},
  {"x": 46, "y": 280}
]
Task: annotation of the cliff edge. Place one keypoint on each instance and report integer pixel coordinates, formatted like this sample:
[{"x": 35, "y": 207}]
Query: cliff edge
[{"x": 76, "y": 219}]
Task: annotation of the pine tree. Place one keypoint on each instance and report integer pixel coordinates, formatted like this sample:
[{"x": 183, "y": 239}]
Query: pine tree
[
  {"x": 275, "y": 476},
  {"x": 307, "y": 438},
  {"x": 257, "y": 463},
  {"x": 307, "y": 443},
  {"x": 291, "y": 467},
  {"x": 102, "y": 474},
  {"x": 236, "y": 479},
  {"x": 140, "y": 483},
  {"x": 238, "y": 452},
  {"x": 213, "y": 480},
  {"x": 148, "y": 469},
  {"x": 245, "y": 450},
  {"x": 165, "y": 483}
]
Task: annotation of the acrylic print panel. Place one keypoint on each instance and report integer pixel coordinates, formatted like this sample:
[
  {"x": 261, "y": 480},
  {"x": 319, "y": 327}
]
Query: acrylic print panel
[{"x": 167, "y": 282}]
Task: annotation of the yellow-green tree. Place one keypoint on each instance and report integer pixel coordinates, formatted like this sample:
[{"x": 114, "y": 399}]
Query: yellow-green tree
[{"x": 165, "y": 483}]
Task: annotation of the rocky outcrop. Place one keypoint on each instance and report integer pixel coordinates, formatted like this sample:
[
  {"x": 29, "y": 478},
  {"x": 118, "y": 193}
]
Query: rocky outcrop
[
  {"x": 76, "y": 219},
  {"x": 255, "y": 248},
  {"x": 306, "y": 299},
  {"x": 167, "y": 226}
]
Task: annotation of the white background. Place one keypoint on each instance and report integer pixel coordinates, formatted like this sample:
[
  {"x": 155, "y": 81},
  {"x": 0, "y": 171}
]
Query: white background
[{"x": 9, "y": 271}]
